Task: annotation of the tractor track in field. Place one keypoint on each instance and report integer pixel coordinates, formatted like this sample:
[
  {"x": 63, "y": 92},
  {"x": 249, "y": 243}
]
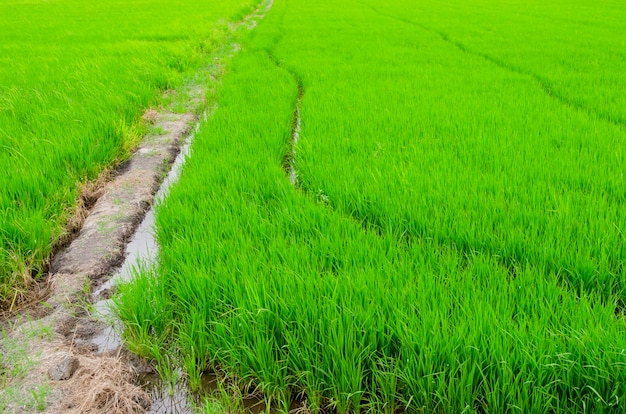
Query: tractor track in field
[
  {"x": 56, "y": 352},
  {"x": 289, "y": 160}
]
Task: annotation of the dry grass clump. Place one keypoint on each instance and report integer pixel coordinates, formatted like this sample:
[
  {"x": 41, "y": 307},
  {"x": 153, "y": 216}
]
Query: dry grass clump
[
  {"x": 150, "y": 116},
  {"x": 89, "y": 192},
  {"x": 105, "y": 385}
]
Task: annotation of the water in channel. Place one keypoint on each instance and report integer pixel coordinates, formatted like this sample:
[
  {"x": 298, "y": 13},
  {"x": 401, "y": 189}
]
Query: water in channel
[{"x": 143, "y": 248}]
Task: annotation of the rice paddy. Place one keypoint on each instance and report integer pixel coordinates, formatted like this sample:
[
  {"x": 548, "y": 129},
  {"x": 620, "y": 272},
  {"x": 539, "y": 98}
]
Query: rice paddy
[
  {"x": 454, "y": 241},
  {"x": 75, "y": 78},
  {"x": 396, "y": 206}
]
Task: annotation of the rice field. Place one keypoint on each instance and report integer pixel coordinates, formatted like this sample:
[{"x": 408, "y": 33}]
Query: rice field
[
  {"x": 399, "y": 205},
  {"x": 75, "y": 77},
  {"x": 454, "y": 240}
]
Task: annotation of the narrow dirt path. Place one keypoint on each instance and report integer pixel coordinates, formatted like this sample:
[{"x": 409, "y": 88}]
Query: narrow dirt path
[{"x": 51, "y": 360}]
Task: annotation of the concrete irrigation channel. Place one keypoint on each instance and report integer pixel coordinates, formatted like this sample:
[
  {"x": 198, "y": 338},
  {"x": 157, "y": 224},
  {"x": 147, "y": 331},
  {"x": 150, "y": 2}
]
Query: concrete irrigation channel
[{"x": 67, "y": 349}]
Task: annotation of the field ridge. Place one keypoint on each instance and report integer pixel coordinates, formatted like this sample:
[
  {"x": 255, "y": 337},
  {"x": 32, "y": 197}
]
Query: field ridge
[
  {"x": 71, "y": 103},
  {"x": 66, "y": 326}
]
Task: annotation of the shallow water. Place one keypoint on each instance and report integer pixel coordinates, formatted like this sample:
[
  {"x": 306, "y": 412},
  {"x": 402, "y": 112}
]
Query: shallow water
[
  {"x": 177, "y": 399},
  {"x": 143, "y": 249}
]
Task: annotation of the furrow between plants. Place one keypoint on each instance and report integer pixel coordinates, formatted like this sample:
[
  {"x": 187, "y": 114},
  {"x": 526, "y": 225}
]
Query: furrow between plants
[
  {"x": 289, "y": 160},
  {"x": 290, "y": 157}
]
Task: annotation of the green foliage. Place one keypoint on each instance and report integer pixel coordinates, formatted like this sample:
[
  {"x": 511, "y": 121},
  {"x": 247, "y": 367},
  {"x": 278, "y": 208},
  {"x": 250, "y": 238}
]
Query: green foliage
[
  {"x": 40, "y": 394},
  {"x": 17, "y": 358},
  {"x": 478, "y": 135},
  {"x": 454, "y": 243},
  {"x": 75, "y": 77}
]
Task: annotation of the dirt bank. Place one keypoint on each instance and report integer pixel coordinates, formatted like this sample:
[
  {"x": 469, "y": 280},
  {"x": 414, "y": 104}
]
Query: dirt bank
[{"x": 51, "y": 359}]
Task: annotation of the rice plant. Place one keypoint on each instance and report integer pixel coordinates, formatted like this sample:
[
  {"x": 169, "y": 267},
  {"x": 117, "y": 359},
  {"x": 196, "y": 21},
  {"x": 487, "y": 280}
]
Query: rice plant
[{"x": 455, "y": 239}]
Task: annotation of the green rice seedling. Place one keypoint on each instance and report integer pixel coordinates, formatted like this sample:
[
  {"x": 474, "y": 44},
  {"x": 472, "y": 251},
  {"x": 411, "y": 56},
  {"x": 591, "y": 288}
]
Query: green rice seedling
[
  {"x": 566, "y": 47},
  {"x": 75, "y": 78},
  {"x": 453, "y": 243},
  {"x": 482, "y": 155}
]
